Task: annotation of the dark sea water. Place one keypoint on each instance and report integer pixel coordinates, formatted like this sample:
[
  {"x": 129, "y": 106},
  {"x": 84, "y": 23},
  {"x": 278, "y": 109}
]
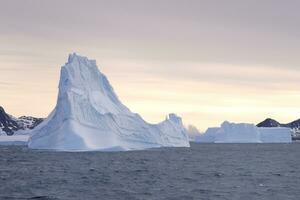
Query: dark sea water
[{"x": 204, "y": 171}]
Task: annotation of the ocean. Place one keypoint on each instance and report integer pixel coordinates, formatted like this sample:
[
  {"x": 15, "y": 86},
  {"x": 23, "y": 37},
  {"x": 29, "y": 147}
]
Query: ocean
[{"x": 204, "y": 171}]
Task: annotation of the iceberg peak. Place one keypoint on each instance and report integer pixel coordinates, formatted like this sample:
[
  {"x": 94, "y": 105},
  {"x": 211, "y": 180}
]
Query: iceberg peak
[
  {"x": 75, "y": 58},
  {"x": 89, "y": 116},
  {"x": 174, "y": 118},
  {"x": 72, "y": 57}
]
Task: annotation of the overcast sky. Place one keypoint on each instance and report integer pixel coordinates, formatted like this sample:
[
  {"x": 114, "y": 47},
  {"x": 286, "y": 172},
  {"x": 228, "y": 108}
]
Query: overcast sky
[{"x": 208, "y": 61}]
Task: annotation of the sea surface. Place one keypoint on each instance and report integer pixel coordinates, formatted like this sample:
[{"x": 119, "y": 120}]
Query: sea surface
[{"x": 204, "y": 171}]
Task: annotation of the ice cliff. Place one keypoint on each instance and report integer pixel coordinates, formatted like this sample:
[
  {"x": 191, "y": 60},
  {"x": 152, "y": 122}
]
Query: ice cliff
[{"x": 89, "y": 116}]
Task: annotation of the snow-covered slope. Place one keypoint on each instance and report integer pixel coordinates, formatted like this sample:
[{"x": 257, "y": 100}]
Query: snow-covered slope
[
  {"x": 10, "y": 125},
  {"x": 28, "y": 122},
  {"x": 89, "y": 116},
  {"x": 245, "y": 133}
]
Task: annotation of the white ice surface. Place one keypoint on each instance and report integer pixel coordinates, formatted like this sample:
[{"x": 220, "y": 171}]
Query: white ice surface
[
  {"x": 13, "y": 140},
  {"x": 193, "y": 133},
  {"x": 208, "y": 137},
  {"x": 89, "y": 116},
  {"x": 275, "y": 135},
  {"x": 237, "y": 133},
  {"x": 244, "y": 133}
]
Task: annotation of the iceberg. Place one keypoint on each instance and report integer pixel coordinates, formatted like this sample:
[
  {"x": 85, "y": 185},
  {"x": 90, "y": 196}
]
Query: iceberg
[
  {"x": 89, "y": 116},
  {"x": 244, "y": 133},
  {"x": 13, "y": 139},
  {"x": 237, "y": 133},
  {"x": 275, "y": 135},
  {"x": 192, "y": 132},
  {"x": 208, "y": 137}
]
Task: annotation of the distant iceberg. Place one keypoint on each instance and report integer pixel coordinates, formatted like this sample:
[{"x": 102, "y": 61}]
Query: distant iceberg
[
  {"x": 13, "y": 139},
  {"x": 89, "y": 116},
  {"x": 275, "y": 135},
  {"x": 244, "y": 133},
  {"x": 192, "y": 132}
]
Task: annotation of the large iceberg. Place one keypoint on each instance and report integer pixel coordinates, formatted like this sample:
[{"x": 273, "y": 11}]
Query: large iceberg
[
  {"x": 244, "y": 133},
  {"x": 89, "y": 116}
]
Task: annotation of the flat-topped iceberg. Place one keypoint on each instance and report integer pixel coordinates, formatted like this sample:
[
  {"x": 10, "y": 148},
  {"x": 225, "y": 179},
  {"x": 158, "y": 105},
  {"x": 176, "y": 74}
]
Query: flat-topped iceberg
[
  {"x": 237, "y": 133},
  {"x": 89, "y": 116},
  {"x": 244, "y": 133},
  {"x": 13, "y": 139},
  {"x": 275, "y": 135}
]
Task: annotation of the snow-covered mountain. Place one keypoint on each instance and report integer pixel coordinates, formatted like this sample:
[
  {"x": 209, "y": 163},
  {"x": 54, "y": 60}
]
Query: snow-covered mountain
[
  {"x": 28, "y": 122},
  {"x": 269, "y": 123},
  {"x": 273, "y": 123},
  {"x": 293, "y": 125},
  {"x": 9, "y": 125},
  {"x": 90, "y": 116}
]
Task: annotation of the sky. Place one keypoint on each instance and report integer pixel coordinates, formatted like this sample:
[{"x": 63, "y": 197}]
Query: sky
[{"x": 206, "y": 60}]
